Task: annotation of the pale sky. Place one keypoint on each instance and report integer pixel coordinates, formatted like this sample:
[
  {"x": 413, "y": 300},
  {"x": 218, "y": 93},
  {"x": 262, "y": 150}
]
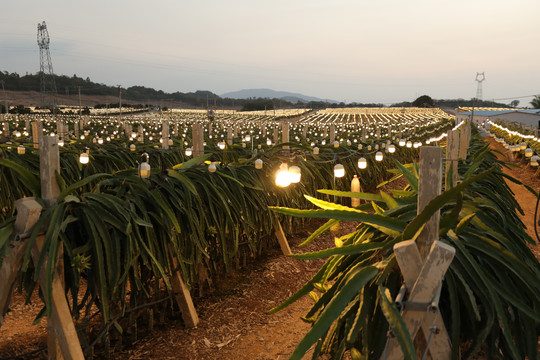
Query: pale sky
[{"x": 347, "y": 50}]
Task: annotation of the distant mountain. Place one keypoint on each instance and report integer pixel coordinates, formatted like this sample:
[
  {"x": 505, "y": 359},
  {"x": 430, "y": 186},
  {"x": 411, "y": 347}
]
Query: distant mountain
[{"x": 272, "y": 94}]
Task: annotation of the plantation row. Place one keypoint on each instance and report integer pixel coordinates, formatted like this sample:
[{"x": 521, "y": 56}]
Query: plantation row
[
  {"x": 489, "y": 299},
  {"x": 119, "y": 229}
]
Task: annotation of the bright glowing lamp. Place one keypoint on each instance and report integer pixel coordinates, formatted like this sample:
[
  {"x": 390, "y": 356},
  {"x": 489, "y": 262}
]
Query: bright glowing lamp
[
  {"x": 362, "y": 163},
  {"x": 391, "y": 148},
  {"x": 336, "y": 144},
  {"x": 21, "y": 150},
  {"x": 295, "y": 174},
  {"x": 283, "y": 178},
  {"x": 84, "y": 158},
  {"x": 339, "y": 171},
  {"x": 409, "y": 144},
  {"x": 529, "y": 152},
  {"x": 144, "y": 170},
  {"x": 212, "y": 167},
  {"x": 534, "y": 160},
  {"x": 221, "y": 145},
  {"x": 401, "y": 142},
  {"x": 379, "y": 156},
  {"x": 189, "y": 152}
]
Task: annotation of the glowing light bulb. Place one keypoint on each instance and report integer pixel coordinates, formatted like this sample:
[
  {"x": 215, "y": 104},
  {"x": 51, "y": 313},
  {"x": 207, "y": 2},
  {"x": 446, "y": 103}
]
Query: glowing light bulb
[
  {"x": 391, "y": 148},
  {"x": 295, "y": 174},
  {"x": 84, "y": 158},
  {"x": 283, "y": 178},
  {"x": 221, "y": 145},
  {"x": 379, "y": 156},
  {"x": 132, "y": 147},
  {"x": 362, "y": 163},
  {"x": 212, "y": 167},
  {"x": 21, "y": 150},
  {"x": 315, "y": 150},
  {"x": 189, "y": 152},
  {"x": 339, "y": 171}
]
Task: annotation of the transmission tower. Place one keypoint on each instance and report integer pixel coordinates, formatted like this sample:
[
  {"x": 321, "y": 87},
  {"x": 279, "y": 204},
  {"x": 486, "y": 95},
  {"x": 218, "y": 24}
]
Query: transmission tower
[
  {"x": 47, "y": 83},
  {"x": 479, "y": 78}
]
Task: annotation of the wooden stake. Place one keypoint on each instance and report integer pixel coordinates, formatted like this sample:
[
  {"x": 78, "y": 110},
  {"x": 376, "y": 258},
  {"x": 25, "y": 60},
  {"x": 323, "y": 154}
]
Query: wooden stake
[
  {"x": 28, "y": 212},
  {"x": 165, "y": 135},
  {"x": 182, "y": 294},
  {"x": 429, "y": 186},
  {"x": 198, "y": 140},
  {"x": 37, "y": 132},
  {"x": 452, "y": 158},
  {"x": 285, "y": 134},
  {"x": 282, "y": 239},
  {"x": 49, "y": 166},
  {"x": 332, "y": 134}
]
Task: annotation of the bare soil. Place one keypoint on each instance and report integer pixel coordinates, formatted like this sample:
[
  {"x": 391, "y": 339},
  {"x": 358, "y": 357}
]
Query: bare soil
[{"x": 235, "y": 323}]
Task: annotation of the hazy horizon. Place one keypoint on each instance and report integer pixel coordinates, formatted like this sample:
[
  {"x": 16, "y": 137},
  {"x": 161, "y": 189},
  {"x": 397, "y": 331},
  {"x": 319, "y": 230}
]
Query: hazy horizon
[{"x": 351, "y": 51}]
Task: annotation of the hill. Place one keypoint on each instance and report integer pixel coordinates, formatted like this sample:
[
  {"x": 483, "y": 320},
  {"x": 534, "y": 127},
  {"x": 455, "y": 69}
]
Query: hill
[{"x": 273, "y": 94}]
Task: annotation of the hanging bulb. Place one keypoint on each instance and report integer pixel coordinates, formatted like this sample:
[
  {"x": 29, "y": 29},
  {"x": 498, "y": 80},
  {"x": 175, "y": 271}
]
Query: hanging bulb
[
  {"x": 268, "y": 142},
  {"x": 362, "y": 163},
  {"x": 100, "y": 141},
  {"x": 283, "y": 178},
  {"x": 170, "y": 142},
  {"x": 295, "y": 174},
  {"x": 379, "y": 156},
  {"x": 144, "y": 168},
  {"x": 409, "y": 144},
  {"x": 258, "y": 164},
  {"x": 401, "y": 142},
  {"x": 339, "y": 170},
  {"x": 132, "y": 147},
  {"x": 212, "y": 167},
  {"x": 189, "y": 152},
  {"x": 243, "y": 145},
  {"x": 360, "y": 146},
  {"x": 534, "y": 160},
  {"x": 21, "y": 150},
  {"x": 221, "y": 145},
  {"x": 391, "y": 148},
  {"x": 60, "y": 142},
  {"x": 336, "y": 144},
  {"x": 84, "y": 158},
  {"x": 529, "y": 152},
  {"x": 315, "y": 150}
]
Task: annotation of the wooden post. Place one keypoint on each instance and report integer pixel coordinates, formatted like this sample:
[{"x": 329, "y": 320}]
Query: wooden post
[
  {"x": 429, "y": 186},
  {"x": 140, "y": 131},
  {"x": 229, "y": 136},
  {"x": 464, "y": 139},
  {"x": 49, "y": 165},
  {"x": 182, "y": 294},
  {"x": 282, "y": 239},
  {"x": 6, "y": 129},
  {"x": 452, "y": 148},
  {"x": 378, "y": 133},
  {"x": 304, "y": 132},
  {"x": 276, "y": 135},
  {"x": 285, "y": 134},
  {"x": 263, "y": 130},
  {"x": 165, "y": 135},
  {"x": 76, "y": 129},
  {"x": 332, "y": 134},
  {"x": 37, "y": 132},
  {"x": 198, "y": 140},
  {"x": 422, "y": 278},
  {"x": 364, "y": 134},
  {"x": 28, "y": 212}
]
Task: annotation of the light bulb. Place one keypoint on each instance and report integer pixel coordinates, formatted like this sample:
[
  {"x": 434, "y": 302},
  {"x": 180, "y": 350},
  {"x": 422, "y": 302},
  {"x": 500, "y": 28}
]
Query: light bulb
[
  {"x": 100, "y": 141},
  {"x": 401, "y": 142},
  {"x": 60, "y": 142},
  {"x": 339, "y": 170},
  {"x": 534, "y": 160},
  {"x": 268, "y": 142},
  {"x": 144, "y": 170},
  {"x": 379, "y": 156},
  {"x": 336, "y": 144},
  {"x": 529, "y": 152},
  {"x": 212, "y": 167},
  {"x": 283, "y": 178},
  {"x": 221, "y": 145},
  {"x": 360, "y": 146},
  {"x": 189, "y": 152},
  {"x": 132, "y": 147},
  {"x": 21, "y": 150},
  {"x": 391, "y": 148},
  {"x": 295, "y": 174},
  {"x": 84, "y": 158},
  {"x": 170, "y": 142},
  {"x": 409, "y": 144},
  {"x": 315, "y": 150},
  {"x": 362, "y": 163},
  {"x": 258, "y": 164}
]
